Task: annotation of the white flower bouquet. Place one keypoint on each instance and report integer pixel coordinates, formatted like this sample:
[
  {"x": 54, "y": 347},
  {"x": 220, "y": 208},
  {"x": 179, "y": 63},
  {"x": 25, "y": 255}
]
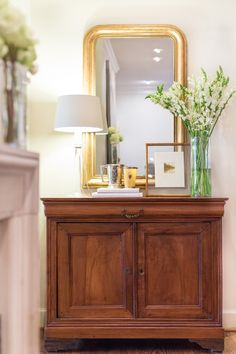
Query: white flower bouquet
[
  {"x": 17, "y": 43},
  {"x": 199, "y": 105},
  {"x": 17, "y": 58},
  {"x": 114, "y": 138}
]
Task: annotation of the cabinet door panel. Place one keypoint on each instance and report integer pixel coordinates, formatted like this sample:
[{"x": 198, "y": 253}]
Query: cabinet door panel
[
  {"x": 178, "y": 274},
  {"x": 95, "y": 270},
  {"x": 172, "y": 263}
]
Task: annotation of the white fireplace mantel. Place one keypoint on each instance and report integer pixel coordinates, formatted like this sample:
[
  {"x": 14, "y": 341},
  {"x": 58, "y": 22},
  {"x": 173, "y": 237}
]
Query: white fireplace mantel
[{"x": 19, "y": 255}]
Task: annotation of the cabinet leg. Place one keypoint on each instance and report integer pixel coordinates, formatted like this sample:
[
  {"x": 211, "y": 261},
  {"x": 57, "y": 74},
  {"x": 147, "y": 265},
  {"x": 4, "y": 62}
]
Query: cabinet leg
[
  {"x": 60, "y": 345},
  {"x": 214, "y": 345}
]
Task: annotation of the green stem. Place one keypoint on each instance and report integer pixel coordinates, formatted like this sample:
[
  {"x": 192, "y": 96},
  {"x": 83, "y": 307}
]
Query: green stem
[
  {"x": 10, "y": 103},
  {"x": 114, "y": 154},
  {"x": 200, "y": 172}
]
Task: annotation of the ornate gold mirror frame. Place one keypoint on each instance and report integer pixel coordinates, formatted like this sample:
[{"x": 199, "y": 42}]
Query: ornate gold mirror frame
[{"x": 89, "y": 66}]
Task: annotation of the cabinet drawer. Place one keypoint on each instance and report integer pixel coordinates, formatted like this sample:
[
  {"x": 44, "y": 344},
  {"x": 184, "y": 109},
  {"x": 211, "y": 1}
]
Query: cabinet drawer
[{"x": 132, "y": 210}]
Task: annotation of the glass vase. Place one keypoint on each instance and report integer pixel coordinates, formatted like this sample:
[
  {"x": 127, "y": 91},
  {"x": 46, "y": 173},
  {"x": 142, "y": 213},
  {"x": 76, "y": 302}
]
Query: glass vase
[
  {"x": 13, "y": 78},
  {"x": 114, "y": 154},
  {"x": 200, "y": 169}
]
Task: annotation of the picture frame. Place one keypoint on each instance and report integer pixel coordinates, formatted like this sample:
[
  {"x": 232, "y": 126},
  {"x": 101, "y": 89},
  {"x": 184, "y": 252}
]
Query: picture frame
[{"x": 167, "y": 169}]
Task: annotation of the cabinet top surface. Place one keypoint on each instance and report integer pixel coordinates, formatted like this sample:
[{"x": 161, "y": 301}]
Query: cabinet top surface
[{"x": 87, "y": 199}]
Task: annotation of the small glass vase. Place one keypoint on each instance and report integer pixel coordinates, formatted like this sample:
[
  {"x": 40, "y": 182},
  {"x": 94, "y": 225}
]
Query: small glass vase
[
  {"x": 114, "y": 154},
  {"x": 13, "y": 83},
  {"x": 200, "y": 169}
]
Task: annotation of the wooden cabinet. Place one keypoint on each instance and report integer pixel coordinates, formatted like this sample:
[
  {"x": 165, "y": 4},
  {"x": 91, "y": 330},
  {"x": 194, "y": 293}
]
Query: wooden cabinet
[{"x": 143, "y": 268}]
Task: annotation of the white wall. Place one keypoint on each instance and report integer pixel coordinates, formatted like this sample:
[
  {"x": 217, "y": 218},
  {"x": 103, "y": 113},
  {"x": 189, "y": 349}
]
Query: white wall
[
  {"x": 23, "y": 6},
  {"x": 60, "y": 25}
]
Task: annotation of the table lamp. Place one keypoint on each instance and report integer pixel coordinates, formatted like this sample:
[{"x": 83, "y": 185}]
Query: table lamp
[{"x": 78, "y": 114}]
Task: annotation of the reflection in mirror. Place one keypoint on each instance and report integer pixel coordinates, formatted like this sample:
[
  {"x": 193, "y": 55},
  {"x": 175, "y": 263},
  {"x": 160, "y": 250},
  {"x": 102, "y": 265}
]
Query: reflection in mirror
[{"x": 127, "y": 69}]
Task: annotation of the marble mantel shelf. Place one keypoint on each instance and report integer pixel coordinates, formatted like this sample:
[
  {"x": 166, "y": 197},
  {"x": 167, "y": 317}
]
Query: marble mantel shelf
[
  {"x": 18, "y": 182},
  {"x": 19, "y": 251}
]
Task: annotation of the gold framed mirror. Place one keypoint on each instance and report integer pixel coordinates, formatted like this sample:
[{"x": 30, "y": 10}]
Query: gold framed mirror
[{"x": 164, "y": 36}]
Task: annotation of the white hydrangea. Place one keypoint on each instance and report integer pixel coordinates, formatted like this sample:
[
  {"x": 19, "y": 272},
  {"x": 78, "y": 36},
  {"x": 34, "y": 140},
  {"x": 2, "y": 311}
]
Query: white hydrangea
[
  {"x": 3, "y": 3},
  {"x": 114, "y": 135},
  {"x": 18, "y": 42}
]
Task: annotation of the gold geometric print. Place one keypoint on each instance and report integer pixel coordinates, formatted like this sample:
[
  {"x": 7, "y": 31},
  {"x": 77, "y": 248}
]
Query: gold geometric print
[{"x": 169, "y": 167}]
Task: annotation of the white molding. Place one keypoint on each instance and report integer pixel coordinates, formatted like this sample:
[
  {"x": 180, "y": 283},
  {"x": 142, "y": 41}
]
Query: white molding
[
  {"x": 18, "y": 182},
  {"x": 229, "y": 319},
  {"x": 42, "y": 314},
  {"x": 110, "y": 55},
  {"x": 19, "y": 250}
]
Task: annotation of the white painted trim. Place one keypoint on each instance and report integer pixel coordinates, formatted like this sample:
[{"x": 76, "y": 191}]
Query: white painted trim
[
  {"x": 110, "y": 55},
  {"x": 19, "y": 251},
  {"x": 18, "y": 182},
  {"x": 42, "y": 314},
  {"x": 229, "y": 319}
]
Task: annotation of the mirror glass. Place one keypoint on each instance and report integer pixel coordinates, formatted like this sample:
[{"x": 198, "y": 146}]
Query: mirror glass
[{"x": 127, "y": 69}]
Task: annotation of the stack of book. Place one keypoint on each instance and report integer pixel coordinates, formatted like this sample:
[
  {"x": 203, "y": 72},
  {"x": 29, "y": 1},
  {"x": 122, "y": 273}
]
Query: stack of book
[{"x": 117, "y": 193}]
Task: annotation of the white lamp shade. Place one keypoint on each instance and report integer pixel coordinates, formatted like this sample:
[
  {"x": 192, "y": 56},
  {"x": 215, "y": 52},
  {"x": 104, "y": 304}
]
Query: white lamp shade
[{"x": 78, "y": 113}]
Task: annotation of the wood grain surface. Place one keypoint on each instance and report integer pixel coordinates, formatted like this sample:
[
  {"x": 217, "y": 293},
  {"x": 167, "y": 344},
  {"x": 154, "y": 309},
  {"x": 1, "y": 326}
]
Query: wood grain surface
[{"x": 130, "y": 269}]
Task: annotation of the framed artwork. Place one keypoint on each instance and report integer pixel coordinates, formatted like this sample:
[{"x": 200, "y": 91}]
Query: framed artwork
[{"x": 167, "y": 169}]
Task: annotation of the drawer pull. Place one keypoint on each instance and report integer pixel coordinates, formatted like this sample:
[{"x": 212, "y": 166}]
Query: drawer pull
[{"x": 132, "y": 215}]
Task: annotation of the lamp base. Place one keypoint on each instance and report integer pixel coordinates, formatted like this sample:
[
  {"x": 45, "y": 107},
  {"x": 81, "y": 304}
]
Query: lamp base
[{"x": 78, "y": 190}]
